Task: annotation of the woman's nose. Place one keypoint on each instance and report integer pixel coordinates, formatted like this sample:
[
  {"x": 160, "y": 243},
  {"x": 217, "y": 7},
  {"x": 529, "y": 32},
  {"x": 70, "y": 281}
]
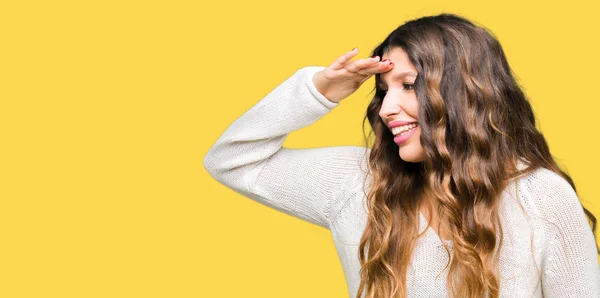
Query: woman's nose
[{"x": 389, "y": 110}]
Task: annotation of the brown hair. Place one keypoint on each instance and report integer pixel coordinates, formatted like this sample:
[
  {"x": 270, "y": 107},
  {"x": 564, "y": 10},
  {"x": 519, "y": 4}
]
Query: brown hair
[{"x": 475, "y": 120}]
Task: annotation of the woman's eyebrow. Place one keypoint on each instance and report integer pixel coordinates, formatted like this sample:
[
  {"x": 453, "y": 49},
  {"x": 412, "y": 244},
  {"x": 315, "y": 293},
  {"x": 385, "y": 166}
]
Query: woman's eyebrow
[{"x": 399, "y": 76}]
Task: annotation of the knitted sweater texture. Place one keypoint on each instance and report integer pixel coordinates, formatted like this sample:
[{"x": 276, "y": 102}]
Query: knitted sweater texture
[{"x": 548, "y": 247}]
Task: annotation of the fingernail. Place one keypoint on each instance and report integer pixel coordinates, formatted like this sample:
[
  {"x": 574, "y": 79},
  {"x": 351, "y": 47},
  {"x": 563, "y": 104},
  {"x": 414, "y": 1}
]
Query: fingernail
[
  {"x": 353, "y": 49},
  {"x": 384, "y": 60}
]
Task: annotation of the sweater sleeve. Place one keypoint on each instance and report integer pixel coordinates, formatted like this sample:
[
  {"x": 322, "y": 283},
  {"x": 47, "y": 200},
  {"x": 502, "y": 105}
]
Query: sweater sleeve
[
  {"x": 570, "y": 265},
  {"x": 249, "y": 158}
]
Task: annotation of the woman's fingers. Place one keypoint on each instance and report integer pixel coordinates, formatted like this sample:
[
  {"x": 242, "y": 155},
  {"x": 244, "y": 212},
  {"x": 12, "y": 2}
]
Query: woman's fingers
[
  {"x": 366, "y": 66},
  {"x": 369, "y": 66},
  {"x": 357, "y": 65},
  {"x": 341, "y": 61}
]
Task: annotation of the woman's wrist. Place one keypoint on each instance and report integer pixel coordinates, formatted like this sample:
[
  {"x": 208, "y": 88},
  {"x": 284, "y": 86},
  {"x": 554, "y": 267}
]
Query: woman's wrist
[{"x": 321, "y": 85}]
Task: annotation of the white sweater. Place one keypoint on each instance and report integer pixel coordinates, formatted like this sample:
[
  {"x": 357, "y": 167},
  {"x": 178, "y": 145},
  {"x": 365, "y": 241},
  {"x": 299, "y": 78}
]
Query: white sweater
[{"x": 324, "y": 186}]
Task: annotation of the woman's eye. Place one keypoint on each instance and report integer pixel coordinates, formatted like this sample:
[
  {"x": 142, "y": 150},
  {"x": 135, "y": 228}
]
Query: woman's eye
[{"x": 407, "y": 87}]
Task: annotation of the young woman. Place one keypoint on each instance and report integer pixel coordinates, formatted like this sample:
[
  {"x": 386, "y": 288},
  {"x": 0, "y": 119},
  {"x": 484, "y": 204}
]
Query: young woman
[{"x": 458, "y": 196}]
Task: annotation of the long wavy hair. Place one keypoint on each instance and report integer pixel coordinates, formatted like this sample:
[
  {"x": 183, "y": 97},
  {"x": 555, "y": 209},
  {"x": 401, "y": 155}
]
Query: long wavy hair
[{"x": 476, "y": 123}]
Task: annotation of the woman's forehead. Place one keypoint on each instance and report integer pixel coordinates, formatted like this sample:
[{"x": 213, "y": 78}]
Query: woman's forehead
[{"x": 396, "y": 52}]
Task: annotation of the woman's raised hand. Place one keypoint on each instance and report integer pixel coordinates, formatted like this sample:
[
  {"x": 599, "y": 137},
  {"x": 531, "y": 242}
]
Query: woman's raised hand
[{"x": 343, "y": 77}]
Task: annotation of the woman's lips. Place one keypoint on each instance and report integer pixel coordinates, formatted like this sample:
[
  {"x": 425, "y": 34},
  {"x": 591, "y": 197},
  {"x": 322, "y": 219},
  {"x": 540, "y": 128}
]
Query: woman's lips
[{"x": 400, "y": 139}]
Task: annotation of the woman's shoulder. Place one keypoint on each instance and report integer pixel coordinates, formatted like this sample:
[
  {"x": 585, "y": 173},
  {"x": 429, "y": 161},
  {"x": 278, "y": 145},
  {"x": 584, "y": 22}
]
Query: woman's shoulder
[
  {"x": 351, "y": 196},
  {"x": 545, "y": 193},
  {"x": 357, "y": 159}
]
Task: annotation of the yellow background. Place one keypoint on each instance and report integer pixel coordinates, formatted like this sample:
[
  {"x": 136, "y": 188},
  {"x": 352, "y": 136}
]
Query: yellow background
[{"x": 108, "y": 107}]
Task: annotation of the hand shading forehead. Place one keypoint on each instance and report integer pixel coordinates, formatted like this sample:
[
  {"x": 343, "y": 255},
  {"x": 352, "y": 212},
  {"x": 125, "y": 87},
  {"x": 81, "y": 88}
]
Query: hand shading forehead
[{"x": 403, "y": 68}]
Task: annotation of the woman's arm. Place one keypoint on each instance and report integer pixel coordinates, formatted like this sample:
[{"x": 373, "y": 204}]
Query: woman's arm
[
  {"x": 570, "y": 266},
  {"x": 249, "y": 158}
]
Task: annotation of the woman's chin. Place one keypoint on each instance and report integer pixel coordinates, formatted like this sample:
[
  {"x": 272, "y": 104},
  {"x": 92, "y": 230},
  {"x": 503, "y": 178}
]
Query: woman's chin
[{"x": 408, "y": 155}]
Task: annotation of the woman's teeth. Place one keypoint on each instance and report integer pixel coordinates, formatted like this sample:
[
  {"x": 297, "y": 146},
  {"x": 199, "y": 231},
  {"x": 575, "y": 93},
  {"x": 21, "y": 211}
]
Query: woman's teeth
[{"x": 403, "y": 129}]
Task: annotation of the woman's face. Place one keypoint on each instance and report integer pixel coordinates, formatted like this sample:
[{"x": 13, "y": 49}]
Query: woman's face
[{"x": 400, "y": 105}]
